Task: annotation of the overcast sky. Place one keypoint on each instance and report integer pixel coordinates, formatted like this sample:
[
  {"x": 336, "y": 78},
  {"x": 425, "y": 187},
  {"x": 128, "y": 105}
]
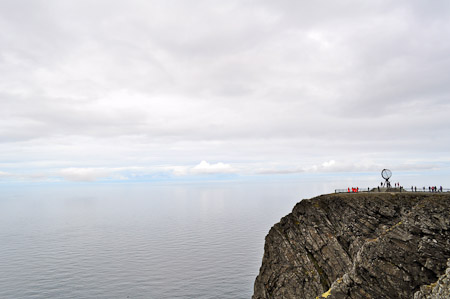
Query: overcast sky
[{"x": 100, "y": 90}]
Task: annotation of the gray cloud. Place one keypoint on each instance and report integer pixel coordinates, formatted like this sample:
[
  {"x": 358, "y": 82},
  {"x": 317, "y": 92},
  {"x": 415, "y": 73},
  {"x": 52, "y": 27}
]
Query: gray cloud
[{"x": 115, "y": 84}]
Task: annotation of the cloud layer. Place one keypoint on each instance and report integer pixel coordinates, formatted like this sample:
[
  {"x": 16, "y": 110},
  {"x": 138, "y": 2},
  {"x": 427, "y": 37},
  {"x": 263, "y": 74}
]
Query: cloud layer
[{"x": 249, "y": 86}]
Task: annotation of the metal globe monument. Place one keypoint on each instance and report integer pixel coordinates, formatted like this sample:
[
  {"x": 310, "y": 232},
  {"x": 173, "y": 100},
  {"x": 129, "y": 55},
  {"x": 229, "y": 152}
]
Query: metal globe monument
[{"x": 386, "y": 174}]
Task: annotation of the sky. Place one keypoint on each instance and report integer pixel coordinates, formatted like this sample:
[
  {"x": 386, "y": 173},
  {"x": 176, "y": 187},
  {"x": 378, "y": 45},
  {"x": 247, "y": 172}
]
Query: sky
[{"x": 170, "y": 89}]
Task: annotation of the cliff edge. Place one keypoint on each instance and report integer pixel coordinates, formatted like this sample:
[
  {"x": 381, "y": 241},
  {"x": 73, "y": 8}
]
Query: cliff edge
[{"x": 359, "y": 245}]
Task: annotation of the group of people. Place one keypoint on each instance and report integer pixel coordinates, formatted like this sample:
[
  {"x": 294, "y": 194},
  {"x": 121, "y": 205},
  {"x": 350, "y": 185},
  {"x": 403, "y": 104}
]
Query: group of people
[
  {"x": 413, "y": 188},
  {"x": 433, "y": 189},
  {"x": 430, "y": 189},
  {"x": 397, "y": 185},
  {"x": 386, "y": 184}
]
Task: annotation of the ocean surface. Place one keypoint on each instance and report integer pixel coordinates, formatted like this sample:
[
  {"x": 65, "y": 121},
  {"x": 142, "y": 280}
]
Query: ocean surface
[{"x": 143, "y": 240}]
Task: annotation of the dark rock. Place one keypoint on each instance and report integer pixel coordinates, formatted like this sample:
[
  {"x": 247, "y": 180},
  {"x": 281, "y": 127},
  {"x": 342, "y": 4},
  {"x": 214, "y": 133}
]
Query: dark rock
[
  {"x": 359, "y": 245},
  {"x": 436, "y": 290}
]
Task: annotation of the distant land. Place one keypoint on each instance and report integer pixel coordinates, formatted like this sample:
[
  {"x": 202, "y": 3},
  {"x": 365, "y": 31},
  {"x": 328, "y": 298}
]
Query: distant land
[{"x": 360, "y": 245}]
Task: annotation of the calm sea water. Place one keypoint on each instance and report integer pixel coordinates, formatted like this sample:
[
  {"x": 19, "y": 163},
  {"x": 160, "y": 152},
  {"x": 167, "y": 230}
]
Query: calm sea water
[{"x": 139, "y": 240}]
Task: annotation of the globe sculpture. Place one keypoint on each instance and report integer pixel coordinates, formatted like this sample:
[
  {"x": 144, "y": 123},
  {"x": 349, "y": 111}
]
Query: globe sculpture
[{"x": 386, "y": 174}]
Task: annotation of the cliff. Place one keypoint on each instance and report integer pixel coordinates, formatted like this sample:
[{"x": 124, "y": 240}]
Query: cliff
[{"x": 359, "y": 245}]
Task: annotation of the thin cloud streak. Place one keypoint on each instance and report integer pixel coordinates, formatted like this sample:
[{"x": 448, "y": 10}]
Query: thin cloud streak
[{"x": 204, "y": 170}]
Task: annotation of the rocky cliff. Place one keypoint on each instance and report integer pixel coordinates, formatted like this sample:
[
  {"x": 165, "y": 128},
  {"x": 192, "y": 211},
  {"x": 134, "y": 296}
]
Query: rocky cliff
[{"x": 359, "y": 245}]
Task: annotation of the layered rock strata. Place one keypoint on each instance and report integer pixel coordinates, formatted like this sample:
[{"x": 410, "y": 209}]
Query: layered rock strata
[{"x": 359, "y": 245}]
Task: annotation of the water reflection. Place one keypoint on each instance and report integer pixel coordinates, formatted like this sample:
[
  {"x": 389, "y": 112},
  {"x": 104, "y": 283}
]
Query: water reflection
[{"x": 137, "y": 240}]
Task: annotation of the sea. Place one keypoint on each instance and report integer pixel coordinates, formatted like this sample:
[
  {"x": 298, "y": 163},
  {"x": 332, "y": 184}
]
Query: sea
[{"x": 140, "y": 240}]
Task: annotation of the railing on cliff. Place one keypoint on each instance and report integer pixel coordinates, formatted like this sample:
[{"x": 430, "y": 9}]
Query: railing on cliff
[{"x": 359, "y": 190}]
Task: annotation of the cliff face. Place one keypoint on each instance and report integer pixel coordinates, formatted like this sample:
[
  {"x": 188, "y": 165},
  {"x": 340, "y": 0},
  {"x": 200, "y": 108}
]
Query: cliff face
[{"x": 359, "y": 245}]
